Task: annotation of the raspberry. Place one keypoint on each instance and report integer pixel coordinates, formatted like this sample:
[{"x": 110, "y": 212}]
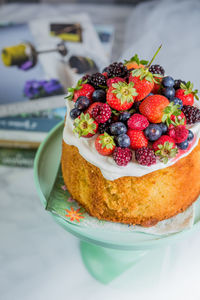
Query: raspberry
[
  {"x": 122, "y": 156},
  {"x": 105, "y": 127},
  {"x": 110, "y": 81},
  {"x": 138, "y": 122},
  {"x": 98, "y": 80},
  {"x": 117, "y": 70},
  {"x": 157, "y": 69},
  {"x": 101, "y": 113},
  {"x": 145, "y": 156},
  {"x": 191, "y": 113},
  {"x": 179, "y": 134},
  {"x": 177, "y": 83}
]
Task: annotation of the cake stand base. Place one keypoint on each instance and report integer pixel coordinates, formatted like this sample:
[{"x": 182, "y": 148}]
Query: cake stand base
[{"x": 106, "y": 264}]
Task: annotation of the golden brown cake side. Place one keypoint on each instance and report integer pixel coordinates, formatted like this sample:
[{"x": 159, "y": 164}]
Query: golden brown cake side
[{"x": 142, "y": 200}]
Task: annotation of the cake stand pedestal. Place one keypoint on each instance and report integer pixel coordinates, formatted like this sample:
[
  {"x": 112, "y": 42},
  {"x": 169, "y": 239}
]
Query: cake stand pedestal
[{"x": 106, "y": 254}]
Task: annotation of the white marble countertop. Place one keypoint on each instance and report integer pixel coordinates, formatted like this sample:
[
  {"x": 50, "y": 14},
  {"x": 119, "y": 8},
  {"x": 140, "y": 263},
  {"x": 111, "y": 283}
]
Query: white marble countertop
[{"x": 41, "y": 261}]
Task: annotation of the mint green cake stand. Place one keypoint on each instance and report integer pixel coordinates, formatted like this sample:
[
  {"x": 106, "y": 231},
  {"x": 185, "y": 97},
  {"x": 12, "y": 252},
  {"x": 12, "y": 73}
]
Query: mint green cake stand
[{"x": 106, "y": 254}]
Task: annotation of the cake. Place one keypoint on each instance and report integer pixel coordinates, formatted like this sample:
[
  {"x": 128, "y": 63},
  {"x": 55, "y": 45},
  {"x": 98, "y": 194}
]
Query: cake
[{"x": 131, "y": 150}]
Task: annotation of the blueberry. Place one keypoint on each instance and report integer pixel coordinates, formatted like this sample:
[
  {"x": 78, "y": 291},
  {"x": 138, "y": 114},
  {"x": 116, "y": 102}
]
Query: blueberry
[
  {"x": 82, "y": 103},
  {"x": 163, "y": 127},
  {"x": 74, "y": 113},
  {"x": 168, "y": 92},
  {"x": 177, "y": 101},
  {"x": 118, "y": 128},
  {"x": 123, "y": 140},
  {"x": 153, "y": 132},
  {"x": 183, "y": 145},
  {"x": 190, "y": 136},
  {"x": 124, "y": 117},
  {"x": 99, "y": 96},
  {"x": 168, "y": 81}
]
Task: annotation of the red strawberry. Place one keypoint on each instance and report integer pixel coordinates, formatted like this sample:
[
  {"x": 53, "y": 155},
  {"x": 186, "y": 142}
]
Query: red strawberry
[
  {"x": 110, "y": 81},
  {"x": 81, "y": 89},
  {"x": 105, "y": 74},
  {"x": 121, "y": 95},
  {"x": 153, "y": 108},
  {"x": 93, "y": 105},
  {"x": 186, "y": 93},
  {"x": 135, "y": 63},
  {"x": 137, "y": 138},
  {"x": 178, "y": 120},
  {"x": 179, "y": 133},
  {"x": 104, "y": 144},
  {"x": 142, "y": 86},
  {"x": 165, "y": 147},
  {"x": 138, "y": 122},
  {"x": 85, "y": 126},
  {"x": 157, "y": 85}
]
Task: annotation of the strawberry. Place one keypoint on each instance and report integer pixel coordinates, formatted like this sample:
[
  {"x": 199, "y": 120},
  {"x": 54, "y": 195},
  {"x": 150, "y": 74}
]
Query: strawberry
[
  {"x": 157, "y": 108},
  {"x": 105, "y": 74},
  {"x": 104, "y": 144},
  {"x": 110, "y": 81},
  {"x": 157, "y": 85},
  {"x": 165, "y": 147},
  {"x": 179, "y": 134},
  {"x": 85, "y": 126},
  {"x": 135, "y": 63},
  {"x": 137, "y": 138},
  {"x": 81, "y": 89},
  {"x": 178, "y": 120},
  {"x": 186, "y": 93},
  {"x": 121, "y": 95}
]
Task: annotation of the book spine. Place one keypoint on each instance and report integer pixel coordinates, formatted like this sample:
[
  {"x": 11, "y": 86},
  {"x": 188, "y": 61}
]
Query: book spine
[{"x": 17, "y": 157}]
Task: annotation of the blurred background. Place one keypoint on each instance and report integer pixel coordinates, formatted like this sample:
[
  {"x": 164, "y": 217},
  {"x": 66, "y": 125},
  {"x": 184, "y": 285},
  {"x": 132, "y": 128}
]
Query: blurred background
[{"x": 46, "y": 46}]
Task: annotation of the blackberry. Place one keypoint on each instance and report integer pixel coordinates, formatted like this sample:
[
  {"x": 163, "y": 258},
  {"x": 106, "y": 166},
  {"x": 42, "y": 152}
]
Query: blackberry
[
  {"x": 191, "y": 113},
  {"x": 136, "y": 106},
  {"x": 86, "y": 77},
  {"x": 145, "y": 156},
  {"x": 98, "y": 80},
  {"x": 122, "y": 156},
  {"x": 157, "y": 69},
  {"x": 105, "y": 127},
  {"x": 117, "y": 70},
  {"x": 177, "y": 83}
]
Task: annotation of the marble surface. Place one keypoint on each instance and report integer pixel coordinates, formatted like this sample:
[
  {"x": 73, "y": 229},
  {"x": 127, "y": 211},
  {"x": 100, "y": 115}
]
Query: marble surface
[{"x": 40, "y": 261}]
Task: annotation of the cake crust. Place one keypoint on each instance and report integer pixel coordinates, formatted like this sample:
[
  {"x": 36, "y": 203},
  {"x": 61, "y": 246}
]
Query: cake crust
[{"x": 142, "y": 200}]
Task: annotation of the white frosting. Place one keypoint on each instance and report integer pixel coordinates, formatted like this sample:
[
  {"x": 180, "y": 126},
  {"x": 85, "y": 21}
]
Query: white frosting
[{"x": 106, "y": 164}]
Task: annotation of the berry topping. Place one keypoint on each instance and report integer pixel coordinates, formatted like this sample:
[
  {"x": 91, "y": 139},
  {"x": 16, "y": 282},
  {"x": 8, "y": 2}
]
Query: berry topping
[
  {"x": 99, "y": 96},
  {"x": 138, "y": 122},
  {"x": 177, "y": 83},
  {"x": 135, "y": 63},
  {"x": 153, "y": 132},
  {"x": 178, "y": 133},
  {"x": 165, "y": 147},
  {"x": 98, "y": 81},
  {"x": 74, "y": 113},
  {"x": 177, "y": 101},
  {"x": 110, "y": 81},
  {"x": 137, "y": 138},
  {"x": 191, "y": 113},
  {"x": 184, "y": 145},
  {"x": 101, "y": 113},
  {"x": 186, "y": 93},
  {"x": 145, "y": 156},
  {"x": 123, "y": 140},
  {"x": 122, "y": 156},
  {"x": 121, "y": 95},
  {"x": 168, "y": 81},
  {"x": 178, "y": 120},
  {"x": 85, "y": 126},
  {"x": 157, "y": 69},
  {"x": 116, "y": 70},
  {"x": 118, "y": 128},
  {"x": 168, "y": 92},
  {"x": 105, "y": 127},
  {"x": 190, "y": 136},
  {"x": 123, "y": 117},
  {"x": 163, "y": 127},
  {"x": 81, "y": 89},
  {"x": 104, "y": 144},
  {"x": 82, "y": 103}
]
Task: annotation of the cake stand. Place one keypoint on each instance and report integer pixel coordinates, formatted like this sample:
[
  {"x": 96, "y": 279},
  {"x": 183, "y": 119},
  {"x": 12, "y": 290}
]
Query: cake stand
[{"x": 105, "y": 254}]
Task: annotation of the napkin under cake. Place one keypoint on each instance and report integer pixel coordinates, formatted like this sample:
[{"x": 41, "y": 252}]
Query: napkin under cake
[{"x": 131, "y": 150}]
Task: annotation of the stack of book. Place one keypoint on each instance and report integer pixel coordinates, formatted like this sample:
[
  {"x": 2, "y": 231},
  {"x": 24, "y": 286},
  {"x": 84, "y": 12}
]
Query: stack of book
[{"x": 39, "y": 61}]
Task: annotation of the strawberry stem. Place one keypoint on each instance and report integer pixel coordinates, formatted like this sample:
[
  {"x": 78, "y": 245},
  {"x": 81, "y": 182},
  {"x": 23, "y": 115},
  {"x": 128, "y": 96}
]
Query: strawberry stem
[{"x": 154, "y": 56}]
